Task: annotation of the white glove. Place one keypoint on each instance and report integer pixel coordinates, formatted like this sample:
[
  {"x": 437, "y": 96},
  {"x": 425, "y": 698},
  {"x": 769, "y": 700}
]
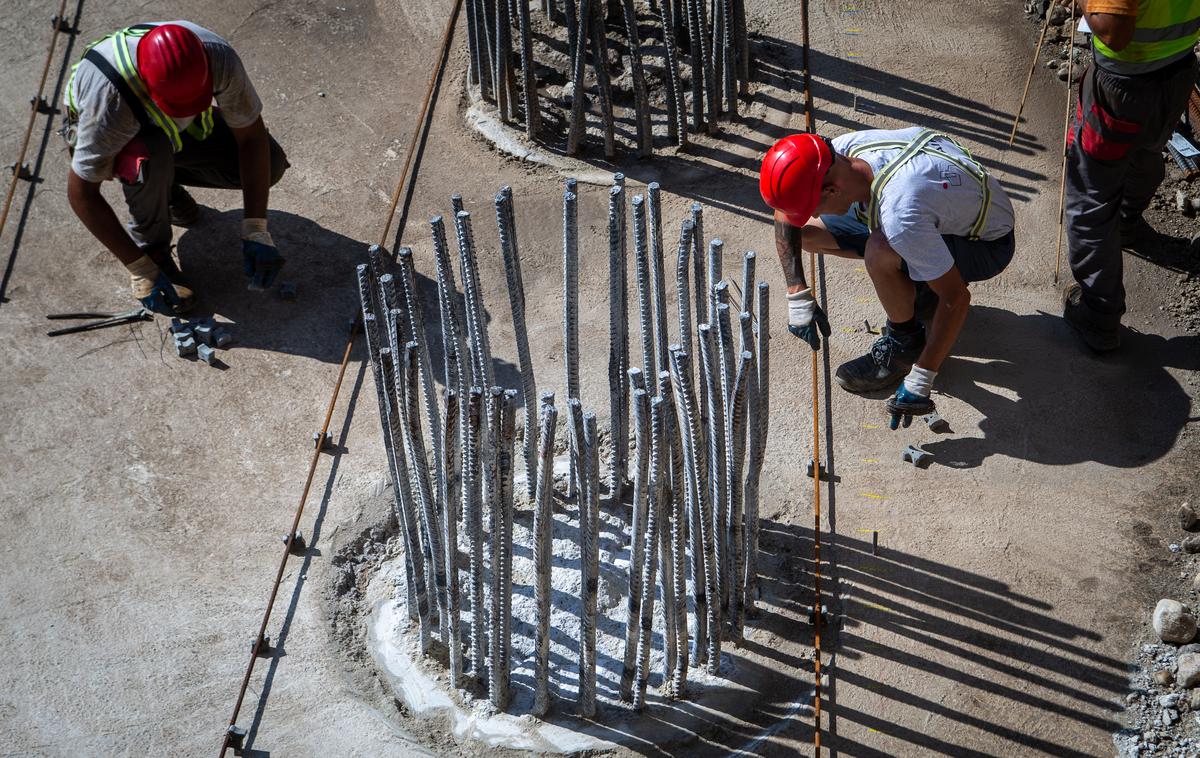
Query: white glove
[
  {"x": 255, "y": 230},
  {"x": 919, "y": 381},
  {"x": 801, "y": 307}
]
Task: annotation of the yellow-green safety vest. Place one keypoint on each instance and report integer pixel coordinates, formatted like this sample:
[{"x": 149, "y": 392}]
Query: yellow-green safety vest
[
  {"x": 1166, "y": 31},
  {"x": 200, "y": 127},
  {"x": 921, "y": 144}
]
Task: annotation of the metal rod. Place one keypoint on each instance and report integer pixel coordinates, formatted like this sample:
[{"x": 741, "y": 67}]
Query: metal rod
[
  {"x": 682, "y": 285},
  {"x": 1062, "y": 187},
  {"x": 478, "y": 346},
  {"x": 696, "y": 49},
  {"x": 658, "y": 276},
  {"x": 736, "y": 434},
  {"x": 654, "y": 510},
  {"x": 673, "y": 497},
  {"x": 543, "y": 554},
  {"x": 571, "y": 327},
  {"x": 761, "y": 419},
  {"x": 676, "y": 114},
  {"x": 506, "y": 222},
  {"x": 711, "y": 503},
  {"x": 641, "y": 97},
  {"x": 450, "y": 465},
  {"x": 742, "y": 40},
  {"x": 603, "y": 81},
  {"x": 641, "y": 430},
  {"x": 641, "y": 262},
  {"x": 1037, "y": 50},
  {"x": 575, "y": 134},
  {"x": 529, "y": 82},
  {"x": 473, "y": 517},
  {"x": 618, "y": 340}
]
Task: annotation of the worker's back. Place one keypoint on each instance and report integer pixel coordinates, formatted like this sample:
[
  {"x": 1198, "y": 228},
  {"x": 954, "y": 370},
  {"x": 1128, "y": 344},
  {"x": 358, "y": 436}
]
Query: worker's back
[{"x": 1166, "y": 32}]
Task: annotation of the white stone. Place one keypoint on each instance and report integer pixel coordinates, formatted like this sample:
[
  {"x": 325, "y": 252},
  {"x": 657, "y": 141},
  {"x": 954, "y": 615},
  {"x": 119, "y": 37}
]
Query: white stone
[
  {"x": 1188, "y": 670},
  {"x": 1173, "y": 623}
]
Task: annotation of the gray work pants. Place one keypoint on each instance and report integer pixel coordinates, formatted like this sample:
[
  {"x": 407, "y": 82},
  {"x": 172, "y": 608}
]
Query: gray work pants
[
  {"x": 1114, "y": 165},
  {"x": 211, "y": 162}
]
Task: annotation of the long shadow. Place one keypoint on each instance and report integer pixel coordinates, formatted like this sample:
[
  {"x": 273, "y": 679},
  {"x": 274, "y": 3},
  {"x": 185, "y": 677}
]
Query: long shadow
[
  {"x": 52, "y": 98},
  {"x": 302, "y": 572},
  {"x": 1068, "y": 406}
]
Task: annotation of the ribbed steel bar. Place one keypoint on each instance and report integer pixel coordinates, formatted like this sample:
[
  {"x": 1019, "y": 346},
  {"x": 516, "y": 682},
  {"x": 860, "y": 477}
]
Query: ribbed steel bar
[
  {"x": 571, "y": 325},
  {"x": 599, "y": 42},
  {"x": 618, "y": 340},
  {"x": 543, "y": 554},
  {"x": 641, "y": 261},
  {"x": 676, "y": 103},
  {"x": 696, "y": 50},
  {"x": 759, "y": 444},
  {"x": 688, "y": 517},
  {"x": 724, "y": 379},
  {"x": 742, "y": 44},
  {"x": 715, "y": 495},
  {"x": 650, "y": 551},
  {"x": 736, "y": 434},
  {"x": 658, "y": 276},
  {"x": 747, "y": 292},
  {"x": 641, "y": 97},
  {"x": 473, "y": 518},
  {"x": 506, "y": 222},
  {"x": 641, "y": 430},
  {"x": 533, "y": 114},
  {"x": 457, "y": 366},
  {"x": 450, "y": 464},
  {"x": 477, "y": 334},
  {"x": 682, "y": 285},
  {"x": 673, "y": 493},
  {"x": 575, "y": 133}
]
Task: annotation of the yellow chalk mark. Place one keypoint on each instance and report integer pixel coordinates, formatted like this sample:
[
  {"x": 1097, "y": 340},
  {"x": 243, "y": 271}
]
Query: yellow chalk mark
[
  {"x": 870, "y": 426},
  {"x": 861, "y": 270},
  {"x": 871, "y": 460},
  {"x": 852, "y": 55},
  {"x": 863, "y": 299},
  {"x": 877, "y": 607},
  {"x": 848, "y": 330},
  {"x": 868, "y": 531},
  {"x": 872, "y": 495},
  {"x": 871, "y": 728}
]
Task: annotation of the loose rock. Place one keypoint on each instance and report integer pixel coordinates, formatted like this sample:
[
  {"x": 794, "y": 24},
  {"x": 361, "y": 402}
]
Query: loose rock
[
  {"x": 1163, "y": 677},
  {"x": 1188, "y": 669},
  {"x": 1173, "y": 623},
  {"x": 1059, "y": 14},
  {"x": 1188, "y": 520},
  {"x": 1191, "y": 545}
]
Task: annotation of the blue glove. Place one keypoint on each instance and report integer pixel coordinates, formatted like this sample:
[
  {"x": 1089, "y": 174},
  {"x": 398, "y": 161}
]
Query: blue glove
[
  {"x": 155, "y": 291},
  {"x": 261, "y": 263},
  {"x": 806, "y": 320},
  {"x": 905, "y": 404}
]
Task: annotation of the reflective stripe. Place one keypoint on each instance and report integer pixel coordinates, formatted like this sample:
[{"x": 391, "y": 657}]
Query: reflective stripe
[
  {"x": 920, "y": 144},
  {"x": 199, "y": 129},
  {"x": 1175, "y": 31}
]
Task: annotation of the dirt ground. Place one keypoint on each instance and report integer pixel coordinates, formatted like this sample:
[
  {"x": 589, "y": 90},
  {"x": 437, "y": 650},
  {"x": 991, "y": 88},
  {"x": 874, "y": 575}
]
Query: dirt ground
[{"x": 143, "y": 496}]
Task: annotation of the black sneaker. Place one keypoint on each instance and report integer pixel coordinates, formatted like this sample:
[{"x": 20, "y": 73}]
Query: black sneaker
[
  {"x": 1076, "y": 313},
  {"x": 182, "y": 207},
  {"x": 890, "y": 358}
]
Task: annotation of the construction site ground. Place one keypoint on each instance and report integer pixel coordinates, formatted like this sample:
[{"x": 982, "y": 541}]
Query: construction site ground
[{"x": 142, "y": 496}]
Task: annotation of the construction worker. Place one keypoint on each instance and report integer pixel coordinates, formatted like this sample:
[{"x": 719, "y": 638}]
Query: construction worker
[
  {"x": 927, "y": 220},
  {"x": 139, "y": 107},
  {"x": 1130, "y": 99}
]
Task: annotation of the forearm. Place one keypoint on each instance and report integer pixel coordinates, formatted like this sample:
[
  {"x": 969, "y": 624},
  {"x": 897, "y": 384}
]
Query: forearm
[
  {"x": 788, "y": 248},
  {"x": 99, "y": 219},
  {"x": 254, "y": 161},
  {"x": 947, "y": 323}
]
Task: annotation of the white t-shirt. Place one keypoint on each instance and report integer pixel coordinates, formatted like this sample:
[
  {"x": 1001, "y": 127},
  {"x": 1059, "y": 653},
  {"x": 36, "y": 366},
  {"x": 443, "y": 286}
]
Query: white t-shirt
[
  {"x": 107, "y": 124},
  {"x": 927, "y": 197}
]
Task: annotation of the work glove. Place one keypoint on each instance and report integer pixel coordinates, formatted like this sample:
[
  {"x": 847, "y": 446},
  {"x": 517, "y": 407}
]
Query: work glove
[
  {"x": 155, "y": 291},
  {"x": 912, "y": 397},
  {"x": 806, "y": 320},
  {"x": 261, "y": 260}
]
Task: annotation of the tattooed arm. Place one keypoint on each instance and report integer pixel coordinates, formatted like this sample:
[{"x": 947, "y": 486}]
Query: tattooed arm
[{"x": 787, "y": 247}]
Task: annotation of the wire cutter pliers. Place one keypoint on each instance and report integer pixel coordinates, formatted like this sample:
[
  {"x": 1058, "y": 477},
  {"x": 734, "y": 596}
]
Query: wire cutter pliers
[{"x": 106, "y": 319}]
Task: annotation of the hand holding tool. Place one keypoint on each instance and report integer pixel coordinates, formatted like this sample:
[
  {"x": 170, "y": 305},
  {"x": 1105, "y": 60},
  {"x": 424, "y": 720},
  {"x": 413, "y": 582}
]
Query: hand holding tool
[{"x": 806, "y": 320}]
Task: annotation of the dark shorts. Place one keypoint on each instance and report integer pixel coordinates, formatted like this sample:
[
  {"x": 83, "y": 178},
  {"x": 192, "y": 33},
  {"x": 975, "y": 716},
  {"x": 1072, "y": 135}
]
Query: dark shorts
[{"x": 976, "y": 260}]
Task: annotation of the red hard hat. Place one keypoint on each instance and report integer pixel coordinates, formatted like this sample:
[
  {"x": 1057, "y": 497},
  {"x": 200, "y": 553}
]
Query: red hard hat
[
  {"x": 792, "y": 173},
  {"x": 172, "y": 62}
]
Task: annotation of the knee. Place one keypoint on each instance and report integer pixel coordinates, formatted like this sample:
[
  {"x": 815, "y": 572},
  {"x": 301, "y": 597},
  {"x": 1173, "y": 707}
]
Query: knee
[{"x": 879, "y": 257}]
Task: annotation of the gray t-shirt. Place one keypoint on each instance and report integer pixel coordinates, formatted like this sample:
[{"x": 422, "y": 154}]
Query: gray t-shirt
[
  {"x": 927, "y": 197},
  {"x": 107, "y": 124}
]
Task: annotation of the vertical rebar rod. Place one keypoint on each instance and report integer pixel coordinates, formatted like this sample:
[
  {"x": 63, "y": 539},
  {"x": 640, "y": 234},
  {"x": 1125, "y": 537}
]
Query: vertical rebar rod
[
  {"x": 502, "y": 59},
  {"x": 450, "y": 463},
  {"x": 506, "y": 222},
  {"x": 760, "y": 443},
  {"x": 716, "y": 251},
  {"x": 603, "y": 80},
  {"x": 586, "y": 631},
  {"x": 418, "y": 462},
  {"x": 571, "y": 21},
  {"x": 728, "y": 53},
  {"x": 712, "y": 76},
  {"x": 697, "y": 54},
  {"x": 472, "y": 46},
  {"x": 742, "y": 40},
  {"x": 591, "y": 443},
  {"x": 477, "y": 335},
  {"x": 533, "y": 113},
  {"x": 673, "y": 492},
  {"x": 695, "y": 475},
  {"x": 457, "y": 370},
  {"x": 575, "y": 134},
  {"x": 618, "y": 341},
  {"x": 736, "y": 434},
  {"x": 658, "y": 276},
  {"x": 641, "y": 430},
  {"x": 641, "y": 262},
  {"x": 650, "y": 551},
  {"x": 747, "y": 293},
  {"x": 502, "y": 409},
  {"x": 709, "y": 363},
  {"x": 543, "y": 554},
  {"x": 676, "y": 104},
  {"x": 682, "y": 285},
  {"x": 726, "y": 372},
  {"x": 571, "y": 325},
  {"x": 641, "y": 97},
  {"x": 473, "y": 518},
  {"x": 490, "y": 460}
]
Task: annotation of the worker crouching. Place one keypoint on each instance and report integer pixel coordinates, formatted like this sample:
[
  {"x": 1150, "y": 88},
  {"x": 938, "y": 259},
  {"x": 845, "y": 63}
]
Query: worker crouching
[
  {"x": 926, "y": 218},
  {"x": 140, "y": 108}
]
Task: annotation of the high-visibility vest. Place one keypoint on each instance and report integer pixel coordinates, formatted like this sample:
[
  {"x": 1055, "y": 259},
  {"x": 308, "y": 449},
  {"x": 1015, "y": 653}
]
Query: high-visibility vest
[
  {"x": 1166, "y": 31},
  {"x": 148, "y": 113},
  {"x": 921, "y": 144}
]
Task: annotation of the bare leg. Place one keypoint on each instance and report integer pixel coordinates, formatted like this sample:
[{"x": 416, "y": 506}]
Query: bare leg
[{"x": 892, "y": 284}]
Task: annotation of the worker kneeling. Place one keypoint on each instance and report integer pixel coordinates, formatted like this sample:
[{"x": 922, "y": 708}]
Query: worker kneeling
[
  {"x": 139, "y": 107},
  {"x": 926, "y": 218}
]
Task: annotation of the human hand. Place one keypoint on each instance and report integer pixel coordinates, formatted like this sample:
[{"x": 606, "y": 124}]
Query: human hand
[
  {"x": 261, "y": 262},
  {"x": 806, "y": 320},
  {"x": 912, "y": 397},
  {"x": 151, "y": 287}
]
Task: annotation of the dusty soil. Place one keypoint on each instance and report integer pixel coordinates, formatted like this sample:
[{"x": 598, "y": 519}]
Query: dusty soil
[{"x": 143, "y": 496}]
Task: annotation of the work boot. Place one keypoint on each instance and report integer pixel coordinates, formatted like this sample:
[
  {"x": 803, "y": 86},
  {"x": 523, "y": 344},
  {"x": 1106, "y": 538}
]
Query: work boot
[
  {"x": 1102, "y": 339},
  {"x": 182, "y": 208},
  {"x": 925, "y": 303},
  {"x": 890, "y": 358}
]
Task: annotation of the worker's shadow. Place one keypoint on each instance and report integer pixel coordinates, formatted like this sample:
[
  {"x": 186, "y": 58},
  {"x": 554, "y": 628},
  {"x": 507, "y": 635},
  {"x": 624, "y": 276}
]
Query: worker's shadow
[
  {"x": 1049, "y": 400},
  {"x": 321, "y": 264}
]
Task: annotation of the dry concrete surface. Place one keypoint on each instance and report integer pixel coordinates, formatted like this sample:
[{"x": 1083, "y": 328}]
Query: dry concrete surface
[{"x": 142, "y": 496}]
